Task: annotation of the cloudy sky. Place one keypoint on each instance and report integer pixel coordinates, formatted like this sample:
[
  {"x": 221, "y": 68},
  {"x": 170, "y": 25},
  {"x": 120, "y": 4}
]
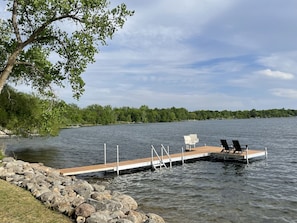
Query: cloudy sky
[{"x": 206, "y": 54}]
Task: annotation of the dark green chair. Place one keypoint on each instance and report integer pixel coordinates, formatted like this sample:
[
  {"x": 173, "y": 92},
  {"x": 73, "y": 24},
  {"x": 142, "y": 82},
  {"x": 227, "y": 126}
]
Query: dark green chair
[
  {"x": 226, "y": 147},
  {"x": 237, "y": 147}
]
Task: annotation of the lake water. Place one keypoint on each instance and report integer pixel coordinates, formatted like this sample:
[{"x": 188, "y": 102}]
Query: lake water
[{"x": 203, "y": 191}]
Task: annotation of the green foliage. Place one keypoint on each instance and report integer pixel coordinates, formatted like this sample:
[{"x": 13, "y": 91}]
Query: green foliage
[
  {"x": 96, "y": 114},
  {"x": 27, "y": 114},
  {"x": 69, "y": 31}
]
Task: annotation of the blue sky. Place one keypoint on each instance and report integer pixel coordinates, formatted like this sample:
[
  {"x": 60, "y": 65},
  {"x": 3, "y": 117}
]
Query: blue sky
[{"x": 207, "y": 54}]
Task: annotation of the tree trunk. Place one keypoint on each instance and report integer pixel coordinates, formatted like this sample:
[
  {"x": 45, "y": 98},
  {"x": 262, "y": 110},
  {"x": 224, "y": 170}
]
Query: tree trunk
[
  {"x": 3, "y": 77},
  {"x": 8, "y": 69}
]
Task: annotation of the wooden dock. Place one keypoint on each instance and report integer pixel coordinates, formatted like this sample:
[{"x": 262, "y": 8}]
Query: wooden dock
[{"x": 166, "y": 160}]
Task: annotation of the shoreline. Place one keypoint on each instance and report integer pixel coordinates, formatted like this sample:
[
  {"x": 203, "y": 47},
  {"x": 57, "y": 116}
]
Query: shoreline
[
  {"x": 5, "y": 134},
  {"x": 75, "y": 198}
]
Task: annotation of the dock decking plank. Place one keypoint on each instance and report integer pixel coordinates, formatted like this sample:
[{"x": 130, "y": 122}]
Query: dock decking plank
[{"x": 195, "y": 153}]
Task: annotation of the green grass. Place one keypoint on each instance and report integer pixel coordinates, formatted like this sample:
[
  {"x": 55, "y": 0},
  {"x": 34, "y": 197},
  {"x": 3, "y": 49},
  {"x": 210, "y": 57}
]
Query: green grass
[
  {"x": 1, "y": 154},
  {"x": 19, "y": 206},
  {"x": 2, "y": 151}
]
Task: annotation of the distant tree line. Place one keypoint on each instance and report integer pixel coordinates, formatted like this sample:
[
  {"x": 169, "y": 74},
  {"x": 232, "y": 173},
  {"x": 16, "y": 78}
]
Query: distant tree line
[
  {"x": 96, "y": 114},
  {"x": 25, "y": 114}
]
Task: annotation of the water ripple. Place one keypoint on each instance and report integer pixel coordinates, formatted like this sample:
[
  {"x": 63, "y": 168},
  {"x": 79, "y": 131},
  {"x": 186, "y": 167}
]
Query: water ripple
[{"x": 263, "y": 191}]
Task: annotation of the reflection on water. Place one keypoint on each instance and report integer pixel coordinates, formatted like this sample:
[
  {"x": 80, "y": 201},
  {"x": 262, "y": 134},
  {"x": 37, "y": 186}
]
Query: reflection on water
[
  {"x": 203, "y": 191},
  {"x": 46, "y": 154}
]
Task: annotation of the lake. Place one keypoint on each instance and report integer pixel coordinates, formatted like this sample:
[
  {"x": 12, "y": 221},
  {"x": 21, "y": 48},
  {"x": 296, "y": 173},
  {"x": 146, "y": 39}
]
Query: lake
[{"x": 203, "y": 191}]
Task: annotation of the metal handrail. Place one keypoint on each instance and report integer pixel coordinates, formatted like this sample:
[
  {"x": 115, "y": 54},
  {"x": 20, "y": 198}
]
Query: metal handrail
[
  {"x": 167, "y": 153},
  {"x": 153, "y": 150}
]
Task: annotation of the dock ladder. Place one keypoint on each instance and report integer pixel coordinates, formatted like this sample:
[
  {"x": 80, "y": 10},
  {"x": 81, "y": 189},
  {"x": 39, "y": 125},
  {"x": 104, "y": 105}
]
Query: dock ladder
[{"x": 160, "y": 161}]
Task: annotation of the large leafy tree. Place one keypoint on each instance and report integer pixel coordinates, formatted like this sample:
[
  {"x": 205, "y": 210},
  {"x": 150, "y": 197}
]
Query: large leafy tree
[
  {"x": 51, "y": 42},
  {"x": 26, "y": 114}
]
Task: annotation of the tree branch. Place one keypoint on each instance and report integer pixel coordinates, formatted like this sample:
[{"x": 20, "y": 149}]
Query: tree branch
[
  {"x": 33, "y": 38},
  {"x": 31, "y": 65},
  {"x": 14, "y": 21},
  {"x": 24, "y": 63},
  {"x": 27, "y": 16}
]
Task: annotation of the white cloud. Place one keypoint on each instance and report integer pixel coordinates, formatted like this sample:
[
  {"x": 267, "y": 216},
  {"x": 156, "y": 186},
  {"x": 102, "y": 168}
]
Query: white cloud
[
  {"x": 285, "y": 60},
  {"x": 182, "y": 14},
  {"x": 208, "y": 54},
  {"x": 276, "y": 74},
  {"x": 286, "y": 93}
]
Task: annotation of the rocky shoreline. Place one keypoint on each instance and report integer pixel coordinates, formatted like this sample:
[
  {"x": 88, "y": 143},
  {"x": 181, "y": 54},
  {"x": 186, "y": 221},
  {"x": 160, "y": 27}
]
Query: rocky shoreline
[
  {"x": 4, "y": 133},
  {"x": 76, "y": 198}
]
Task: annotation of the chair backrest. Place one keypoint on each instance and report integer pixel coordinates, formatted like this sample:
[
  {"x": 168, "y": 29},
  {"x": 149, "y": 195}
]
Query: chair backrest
[
  {"x": 194, "y": 138},
  {"x": 188, "y": 140},
  {"x": 236, "y": 145},
  {"x": 225, "y": 144}
]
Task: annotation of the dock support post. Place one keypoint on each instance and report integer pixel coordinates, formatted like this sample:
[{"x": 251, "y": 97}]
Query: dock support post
[
  {"x": 266, "y": 155},
  {"x": 168, "y": 151},
  {"x": 247, "y": 157},
  {"x": 118, "y": 161},
  {"x": 152, "y": 153},
  {"x": 104, "y": 153},
  {"x": 182, "y": 155}
]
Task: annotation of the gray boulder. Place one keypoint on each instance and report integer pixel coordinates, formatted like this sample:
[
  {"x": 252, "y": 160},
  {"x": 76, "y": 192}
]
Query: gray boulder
[
  {"x": 8, "y": 159},
  {"x": 99, "y": 217},
  {"x": 98, "y": 187},
  {"x": 99, "y": 196},
  {"x": 120, "y": 221},
  {"x": 83, "y": 188},
  {"x": 105, "y": 205},
  {"x": 80, "y": 219},
  {"x": 85, "y": 210},
  {"x": 153, "y": 218},
  {"x": 127, "y": 201},
  {"x": 136, "y": 217}
]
